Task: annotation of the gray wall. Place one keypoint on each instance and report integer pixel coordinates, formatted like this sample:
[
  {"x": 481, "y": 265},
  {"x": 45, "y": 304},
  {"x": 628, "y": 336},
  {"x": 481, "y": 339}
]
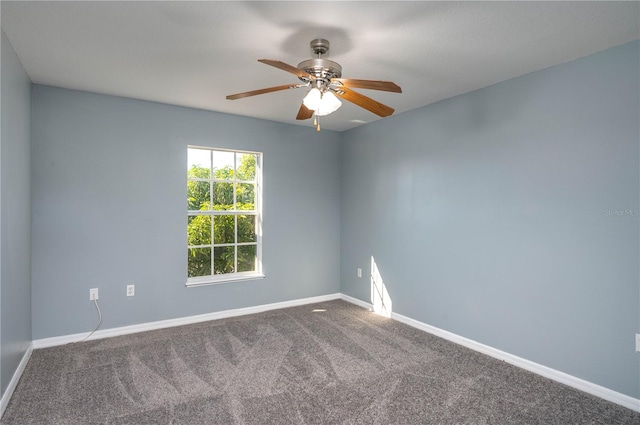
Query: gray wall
[
  {"x": 509, "y": 215},
  {"x": 109, "y": 209},
  {"x": 15, "y": 213}
]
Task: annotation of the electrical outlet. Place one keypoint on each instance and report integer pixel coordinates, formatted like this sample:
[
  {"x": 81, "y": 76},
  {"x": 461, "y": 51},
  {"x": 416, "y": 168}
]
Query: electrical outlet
[
  {"x": 638, "y": 342},
  {"x": 131, "y": 290},
  {"x": 359, "y": 272},
  {"x": 93, "y": 294}
]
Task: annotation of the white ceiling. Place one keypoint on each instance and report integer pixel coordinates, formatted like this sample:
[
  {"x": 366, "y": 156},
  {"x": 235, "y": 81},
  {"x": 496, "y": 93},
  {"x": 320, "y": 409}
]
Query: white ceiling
[{"x": 195, "y": 53}]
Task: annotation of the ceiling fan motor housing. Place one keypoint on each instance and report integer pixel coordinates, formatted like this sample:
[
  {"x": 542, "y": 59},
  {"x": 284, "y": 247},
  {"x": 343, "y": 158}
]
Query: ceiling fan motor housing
[{"x": 323, "y": 69}]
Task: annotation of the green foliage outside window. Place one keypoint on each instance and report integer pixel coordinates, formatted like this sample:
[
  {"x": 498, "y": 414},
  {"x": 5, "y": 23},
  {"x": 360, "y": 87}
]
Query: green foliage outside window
[{"x": 227, "y": 228}]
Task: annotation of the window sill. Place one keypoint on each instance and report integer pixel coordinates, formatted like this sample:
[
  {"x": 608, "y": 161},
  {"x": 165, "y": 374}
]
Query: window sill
[{"x": 216, "y": 280}]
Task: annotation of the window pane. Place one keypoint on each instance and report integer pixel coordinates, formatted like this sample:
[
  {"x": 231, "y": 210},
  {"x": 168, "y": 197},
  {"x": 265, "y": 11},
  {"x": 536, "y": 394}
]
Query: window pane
[
  {"x": 199, "y": 230},
  {"x": 224, "y": 229},
  {"x": 198, "y": 163},
  {"x": 198, "y": 196},
  {"x": 199, "y": 262},
  {"x": 246, "y": 166},
  {"x": 245, "y": 196},
  {"x": 223, "y": 259},
  {"x": 223, "y": 196},
  {"x": 223, "y": 165},
  {"x": 247, "y": 228},
  {"x": 246, "y": 258}
]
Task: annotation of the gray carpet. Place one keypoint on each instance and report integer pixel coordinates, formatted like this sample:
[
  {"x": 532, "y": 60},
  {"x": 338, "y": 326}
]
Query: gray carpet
[{"x": 344, "y": 365}]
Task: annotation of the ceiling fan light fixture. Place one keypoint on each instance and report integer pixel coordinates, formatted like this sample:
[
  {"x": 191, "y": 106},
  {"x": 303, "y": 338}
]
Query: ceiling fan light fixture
[
  {"x": 312, "y": 99},
  {"x": 321, "y": 103},
  {"x": 329, "y": 104}
]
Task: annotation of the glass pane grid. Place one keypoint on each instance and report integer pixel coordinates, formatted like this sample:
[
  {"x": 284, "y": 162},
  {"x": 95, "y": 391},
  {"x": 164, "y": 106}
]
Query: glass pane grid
[{"x": 223, "y": 199}]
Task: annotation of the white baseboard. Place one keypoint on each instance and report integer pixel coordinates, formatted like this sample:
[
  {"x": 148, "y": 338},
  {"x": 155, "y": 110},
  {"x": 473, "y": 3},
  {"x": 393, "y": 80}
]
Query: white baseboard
[
  {"x": 4, "y": 402},
  {"x": 161, "y": 324},
  {"x": 547, "y": 372},
  {"x": 357, "y": 302}
]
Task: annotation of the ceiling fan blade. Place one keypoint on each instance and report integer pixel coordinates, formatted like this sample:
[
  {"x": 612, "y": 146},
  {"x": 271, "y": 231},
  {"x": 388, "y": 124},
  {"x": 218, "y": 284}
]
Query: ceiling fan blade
[
  {"x": 289, "y": 68},
  {"x": 262, "y": 91},
  {"x": 369, "y": 84},
  {"x": 304, "y": 113},
  {"x": 364, "y": 102}
]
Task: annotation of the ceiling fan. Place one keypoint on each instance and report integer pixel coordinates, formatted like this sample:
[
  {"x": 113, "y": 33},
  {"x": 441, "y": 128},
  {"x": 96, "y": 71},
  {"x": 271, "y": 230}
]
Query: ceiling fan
[{"x": 324, "y": 76}]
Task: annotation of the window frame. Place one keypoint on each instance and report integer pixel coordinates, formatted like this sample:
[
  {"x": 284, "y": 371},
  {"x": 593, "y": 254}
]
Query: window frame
[{"x": 235, "y": 275}]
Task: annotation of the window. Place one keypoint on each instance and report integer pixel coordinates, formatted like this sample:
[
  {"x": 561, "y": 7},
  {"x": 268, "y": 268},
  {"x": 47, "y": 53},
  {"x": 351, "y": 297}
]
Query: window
[{"x": 223, "y": 215}]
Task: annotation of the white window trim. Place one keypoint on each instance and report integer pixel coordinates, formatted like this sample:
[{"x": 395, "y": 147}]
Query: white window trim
[
  {"x": 238, "y": 276},
  {"x": 222, "y": 278}
]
